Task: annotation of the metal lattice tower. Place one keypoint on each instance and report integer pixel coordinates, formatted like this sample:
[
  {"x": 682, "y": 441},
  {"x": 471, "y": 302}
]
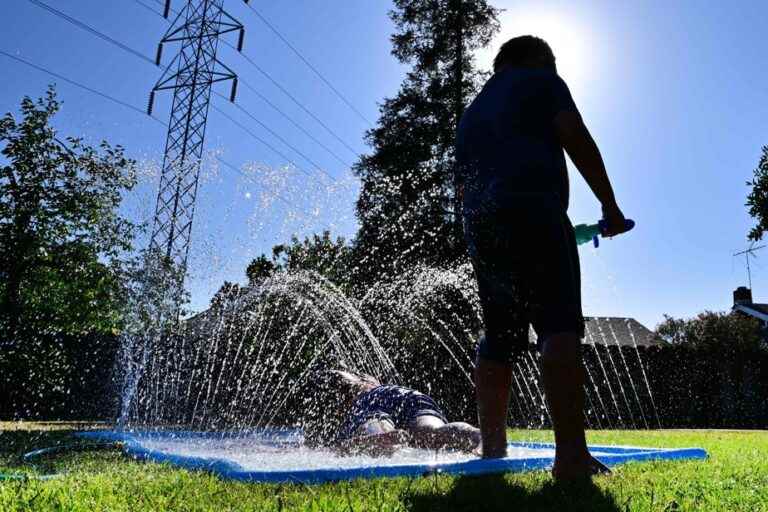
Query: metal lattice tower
[{"x": 191, "y": 75}]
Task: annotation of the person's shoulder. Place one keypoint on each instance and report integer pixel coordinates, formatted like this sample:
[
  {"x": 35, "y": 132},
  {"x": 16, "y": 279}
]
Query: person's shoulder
[{"x": 548, "y": 75}]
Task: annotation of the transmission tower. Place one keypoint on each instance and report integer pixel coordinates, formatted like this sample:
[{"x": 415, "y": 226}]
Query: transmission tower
[{"x": 191, "y": 75}]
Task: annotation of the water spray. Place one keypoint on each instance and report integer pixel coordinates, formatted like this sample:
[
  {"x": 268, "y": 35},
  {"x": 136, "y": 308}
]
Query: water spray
[{"x": 593, "y": 232}]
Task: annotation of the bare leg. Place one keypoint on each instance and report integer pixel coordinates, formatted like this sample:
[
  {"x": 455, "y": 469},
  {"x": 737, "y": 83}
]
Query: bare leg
[
  {"x": 492, "y": 382},
  {"x": 563, "y": 374}
]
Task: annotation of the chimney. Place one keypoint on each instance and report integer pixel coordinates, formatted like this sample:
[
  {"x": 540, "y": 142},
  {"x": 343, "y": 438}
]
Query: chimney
[{"x": 742, "y": 295}]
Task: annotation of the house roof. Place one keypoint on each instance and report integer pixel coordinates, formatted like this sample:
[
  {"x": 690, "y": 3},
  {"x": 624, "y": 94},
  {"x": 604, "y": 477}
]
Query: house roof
[
  {"x": 759, "y": 311},
  {"x": 625, "y": 332},
  {"x": 619, "y": 331}
]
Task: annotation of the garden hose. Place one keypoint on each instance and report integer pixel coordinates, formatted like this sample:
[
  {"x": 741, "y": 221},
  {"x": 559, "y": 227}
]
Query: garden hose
[{"x": 53, "y": 450}]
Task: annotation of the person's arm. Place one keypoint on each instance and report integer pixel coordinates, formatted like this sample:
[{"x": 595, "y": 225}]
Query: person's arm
[
  {"x": 585, "y": 155},
  {"x": 375, "y": 437},
  {"x": 375, "y": 445}
]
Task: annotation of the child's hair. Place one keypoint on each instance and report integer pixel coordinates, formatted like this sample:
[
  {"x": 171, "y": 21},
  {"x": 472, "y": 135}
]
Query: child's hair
[
  {"x": 351, "y": 383},
  {"x": 524, "y": 51},
  {"x": 332, "y": 395}
]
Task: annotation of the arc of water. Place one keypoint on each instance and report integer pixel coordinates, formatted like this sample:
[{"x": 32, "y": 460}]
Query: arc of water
[
  {"x": 230, "y": 379},
  {"x": 426, "y": 326},
  {"x": 626, "y": 368},
  {"x": 266, "y": 405},
  {"x": 209, "y": 362},
  {"x": 616, "y": 372},
  {"x": 605, "y": 376},
  {"x": 519, "y": 407},
  {"x": 523, "y": 396},
  {"x": 525, "y": 379},
  {"x": 231, "y": 325},
  {"x": 272, "y": 368},
  {"x": 536, "y": 377},
  {"x": 645, "y": 376},
  {"x": 591, "y": 408},
  {"x": 251, "y": 366},
  {"x": 296, "y": 384},
  {"x": 599, "y": 398}
]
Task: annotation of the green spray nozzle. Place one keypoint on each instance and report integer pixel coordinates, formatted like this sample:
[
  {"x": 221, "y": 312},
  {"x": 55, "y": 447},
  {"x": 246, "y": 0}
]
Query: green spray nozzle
[{"x": 593, "y": 232}]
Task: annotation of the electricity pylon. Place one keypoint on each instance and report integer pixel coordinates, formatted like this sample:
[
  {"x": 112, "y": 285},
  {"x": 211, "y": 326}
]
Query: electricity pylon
[{"x": 191, "y": 75}]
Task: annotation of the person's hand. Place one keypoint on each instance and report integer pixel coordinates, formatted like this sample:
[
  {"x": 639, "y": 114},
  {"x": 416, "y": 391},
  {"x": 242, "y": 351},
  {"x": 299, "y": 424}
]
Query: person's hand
[{"x": 615, "y": 224}]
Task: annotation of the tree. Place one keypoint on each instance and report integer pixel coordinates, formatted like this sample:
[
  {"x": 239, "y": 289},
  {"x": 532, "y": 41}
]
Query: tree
[
  {"x": 259, "y": 268},
  {"x": 757, "y": 201},
  {"x": 62, "y": 238},
  {"x": 408, "y": 209},
  {"x": 724, "y": 332},
  {"x": 319, "y": 253}
]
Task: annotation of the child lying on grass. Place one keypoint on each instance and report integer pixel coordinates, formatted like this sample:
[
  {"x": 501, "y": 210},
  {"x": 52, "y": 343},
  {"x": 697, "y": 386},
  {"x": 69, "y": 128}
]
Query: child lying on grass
[{"x": 378, "y": 418}]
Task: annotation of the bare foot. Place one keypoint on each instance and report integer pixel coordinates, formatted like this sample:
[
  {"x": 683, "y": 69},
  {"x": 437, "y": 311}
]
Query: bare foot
[{"x": 578, "y": 469}]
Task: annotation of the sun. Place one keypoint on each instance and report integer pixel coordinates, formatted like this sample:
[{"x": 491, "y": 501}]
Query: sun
[{"x": 563, "y": 33}]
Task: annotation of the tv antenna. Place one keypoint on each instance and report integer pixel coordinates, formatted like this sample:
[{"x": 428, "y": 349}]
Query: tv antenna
[{"x": 750, "y": 253}]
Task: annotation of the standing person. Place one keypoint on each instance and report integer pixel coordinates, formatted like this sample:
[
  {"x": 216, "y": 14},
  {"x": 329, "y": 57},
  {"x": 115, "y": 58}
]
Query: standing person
[{"x": 513, "y": 179}]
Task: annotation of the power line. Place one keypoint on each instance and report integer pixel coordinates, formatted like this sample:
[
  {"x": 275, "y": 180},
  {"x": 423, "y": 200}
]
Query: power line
[
  {"x": 241, "y": 173},
  {"x": 150, "y": 8},
  {"x": 278, "y": 137},
  {"x": 77, "y": 84},
  {"x": 265, "y": 143},
  {"x": 307, "y": 63},
  {"x": 294, "y": 123},
  {"x": 128, "y": 105},
  {"x": 147, "y": 59},
  {"x": 90, "y": 29},
  {"x": 299, "y": 104},
  {"x": 289, "y": 95}
]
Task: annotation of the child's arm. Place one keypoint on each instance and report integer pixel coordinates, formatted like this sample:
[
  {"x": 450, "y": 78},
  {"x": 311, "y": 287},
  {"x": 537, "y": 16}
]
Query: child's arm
[
  {"x": 581, "y": 147},
  {"x": 376, "y": 437}
]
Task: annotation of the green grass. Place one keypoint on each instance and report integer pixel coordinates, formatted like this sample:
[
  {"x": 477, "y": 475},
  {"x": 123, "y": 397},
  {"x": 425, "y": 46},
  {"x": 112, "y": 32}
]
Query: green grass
[{"x": 734, "y": 478}]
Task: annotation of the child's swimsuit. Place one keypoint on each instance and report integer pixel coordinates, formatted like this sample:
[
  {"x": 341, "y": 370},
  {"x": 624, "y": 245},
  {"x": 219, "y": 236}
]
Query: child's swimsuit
[{"x": 399, "y": 405}]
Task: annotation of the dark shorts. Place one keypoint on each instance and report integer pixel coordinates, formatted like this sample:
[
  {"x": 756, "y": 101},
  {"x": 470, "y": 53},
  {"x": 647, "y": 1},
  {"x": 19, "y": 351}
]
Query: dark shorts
[{"x": 527, "y": 267}]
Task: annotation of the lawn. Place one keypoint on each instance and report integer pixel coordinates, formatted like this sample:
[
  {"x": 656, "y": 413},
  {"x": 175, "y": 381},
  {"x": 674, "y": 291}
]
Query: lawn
[{"x": 734, "y": 478}]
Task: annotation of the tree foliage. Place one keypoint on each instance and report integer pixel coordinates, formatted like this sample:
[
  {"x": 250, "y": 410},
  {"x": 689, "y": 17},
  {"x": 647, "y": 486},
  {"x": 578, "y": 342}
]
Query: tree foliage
[
  {"x": 714, "y": 330},
  {"x": 323, "y": 254},
  {"x": 62, "y": 238},
  {"x": 757, "y": 201},
  {"x": 407, "y": 207}
]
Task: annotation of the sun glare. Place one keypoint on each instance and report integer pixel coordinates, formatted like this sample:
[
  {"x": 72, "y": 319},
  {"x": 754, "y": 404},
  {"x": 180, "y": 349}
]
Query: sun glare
[{"x": 562, "y": 32}]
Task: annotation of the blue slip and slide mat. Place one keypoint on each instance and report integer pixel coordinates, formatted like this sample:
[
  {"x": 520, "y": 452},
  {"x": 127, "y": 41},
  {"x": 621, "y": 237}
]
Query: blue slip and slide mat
[{"x": 279, "y": 457}]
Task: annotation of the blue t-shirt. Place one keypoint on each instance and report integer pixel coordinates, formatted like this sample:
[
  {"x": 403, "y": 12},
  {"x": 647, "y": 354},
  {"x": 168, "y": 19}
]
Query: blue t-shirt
[
  {"x": 506, "y": 143},
  {"x": 397, "y": 404}
]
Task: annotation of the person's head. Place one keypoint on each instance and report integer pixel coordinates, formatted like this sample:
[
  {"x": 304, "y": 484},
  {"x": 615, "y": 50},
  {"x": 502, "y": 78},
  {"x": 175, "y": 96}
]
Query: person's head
[
  {"x": 331, "y": 397},
  {"x": 348, "y": 385},
  {"x": 524, "y": 52}
]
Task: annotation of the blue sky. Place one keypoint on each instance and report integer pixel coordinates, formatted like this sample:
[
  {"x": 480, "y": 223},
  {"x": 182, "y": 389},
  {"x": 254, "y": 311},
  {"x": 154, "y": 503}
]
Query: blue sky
[{"x": 674, "y": 93}]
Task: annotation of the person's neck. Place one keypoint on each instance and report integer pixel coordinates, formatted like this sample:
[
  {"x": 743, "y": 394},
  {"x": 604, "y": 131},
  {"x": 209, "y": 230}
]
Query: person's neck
[{"x": 524, "y": 67}]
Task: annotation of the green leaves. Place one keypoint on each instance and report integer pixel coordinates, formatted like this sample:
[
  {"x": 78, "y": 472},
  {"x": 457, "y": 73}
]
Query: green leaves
[
  {"x": 408, "y": 209},
  {"x": 757, "y": 201},
  {"x": 725, "y": 332},
  {"x": 63, "y": 242}
]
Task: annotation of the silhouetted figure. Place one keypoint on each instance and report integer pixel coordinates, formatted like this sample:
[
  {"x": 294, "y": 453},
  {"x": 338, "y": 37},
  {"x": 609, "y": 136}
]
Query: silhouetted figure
[{"x": 513, "y": 178}]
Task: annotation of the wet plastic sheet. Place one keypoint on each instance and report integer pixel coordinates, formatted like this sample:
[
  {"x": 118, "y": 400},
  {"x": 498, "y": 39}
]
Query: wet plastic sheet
[{"x": 178, "y": 449}]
